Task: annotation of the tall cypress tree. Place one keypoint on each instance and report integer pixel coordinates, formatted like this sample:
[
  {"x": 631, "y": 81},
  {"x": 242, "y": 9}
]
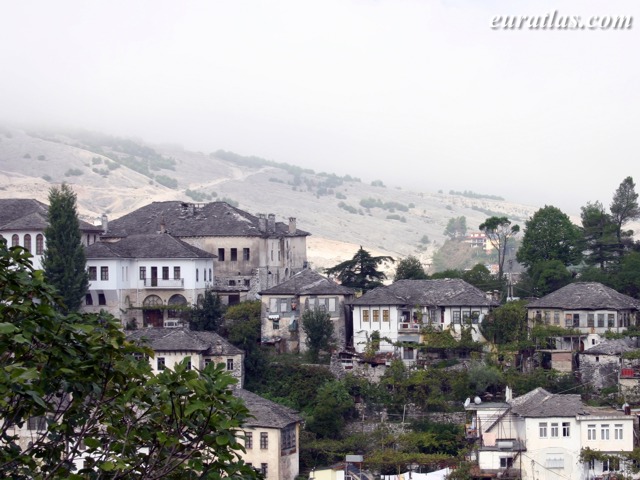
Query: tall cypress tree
[{"x": 64, "y": 261}]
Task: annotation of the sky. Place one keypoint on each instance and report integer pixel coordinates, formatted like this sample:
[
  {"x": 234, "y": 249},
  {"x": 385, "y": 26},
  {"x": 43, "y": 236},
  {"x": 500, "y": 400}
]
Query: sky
[{"x": 422, "y": 94}]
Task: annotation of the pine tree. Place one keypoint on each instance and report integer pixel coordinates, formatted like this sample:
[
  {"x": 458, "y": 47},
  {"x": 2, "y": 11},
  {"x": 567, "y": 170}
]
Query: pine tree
[{"x": 64, "y": 261}]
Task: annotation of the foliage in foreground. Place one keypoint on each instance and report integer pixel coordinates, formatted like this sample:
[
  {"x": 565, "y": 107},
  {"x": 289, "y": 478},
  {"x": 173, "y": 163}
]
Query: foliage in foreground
[{"x": 91, "y": 387}]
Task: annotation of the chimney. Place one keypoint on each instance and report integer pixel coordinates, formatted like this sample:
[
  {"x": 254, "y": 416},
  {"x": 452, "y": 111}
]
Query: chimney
[
  {"x": 105, "y": 223},
  {"x": 271, "y": 223},
  {"x": 508, "y": 394},
  {"x": 292, "y": 225},
  {"x": 262, "y": 223}
]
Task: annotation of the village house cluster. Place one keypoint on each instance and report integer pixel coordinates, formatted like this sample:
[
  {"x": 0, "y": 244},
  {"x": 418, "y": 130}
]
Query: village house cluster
[{"x": 148, "y": 266}]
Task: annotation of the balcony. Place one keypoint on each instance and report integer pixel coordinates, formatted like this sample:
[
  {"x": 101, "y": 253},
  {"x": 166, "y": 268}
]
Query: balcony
[
  {"x": 167, "y": 283},
  {"x": 409, "y": 327}
]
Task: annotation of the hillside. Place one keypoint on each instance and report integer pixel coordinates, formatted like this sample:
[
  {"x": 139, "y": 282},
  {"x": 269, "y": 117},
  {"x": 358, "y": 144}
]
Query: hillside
[{"x": 115, "y": 176}]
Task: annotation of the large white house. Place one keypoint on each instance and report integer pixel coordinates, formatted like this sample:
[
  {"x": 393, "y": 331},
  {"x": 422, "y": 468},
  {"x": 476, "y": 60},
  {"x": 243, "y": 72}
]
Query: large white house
[
  {"x": 542, "y": 435},
  {"x": 147, "y": 280},
  {"x": 399, "y": 311}
]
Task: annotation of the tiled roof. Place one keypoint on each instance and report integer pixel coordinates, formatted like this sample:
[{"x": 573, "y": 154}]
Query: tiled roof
[
  {"x": 183, "y": 340},
  {"x": 612, "y": 347},
  {"x": 540, "y": 403},
  {"x": 586, "y": 296},
  {"x": 267, "y": 413},
  {"x": 308, "y": 282},
  {"x": 194, "y": 220},
  {"x": 156, "y": 245},
  {"x": 29, "y": 214},
  {"x": 441, "y": 293}
]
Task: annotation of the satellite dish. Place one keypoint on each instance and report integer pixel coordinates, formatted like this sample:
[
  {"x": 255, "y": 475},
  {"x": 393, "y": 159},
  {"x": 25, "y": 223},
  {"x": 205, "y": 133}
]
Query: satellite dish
[
  {"x": 477, "y": 400},
  {"x": 467, "y": 402}
]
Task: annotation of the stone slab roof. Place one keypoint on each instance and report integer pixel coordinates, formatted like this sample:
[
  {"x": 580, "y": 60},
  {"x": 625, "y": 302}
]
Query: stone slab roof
[
  {"x": 438, "y": 293},
  {"x": 586, "y": 296},
  {"x": 183, "y": 340},
  {"x": 616, "y": 346},
  {"x": 30, "y": 214},
  {"x": 182, "y": 219},
  {"x": 540, "y": 403},
  {"x": 308, "y": 282},
  {"x": 156, "y": 245},
  {"x": 265, "y": 412}
]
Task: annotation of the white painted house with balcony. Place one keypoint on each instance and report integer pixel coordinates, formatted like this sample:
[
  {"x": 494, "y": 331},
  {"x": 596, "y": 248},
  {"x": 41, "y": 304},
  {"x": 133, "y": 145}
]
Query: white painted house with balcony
[
  {"x": 147, "y": 279},
  {"x": 400, "y": 311}
]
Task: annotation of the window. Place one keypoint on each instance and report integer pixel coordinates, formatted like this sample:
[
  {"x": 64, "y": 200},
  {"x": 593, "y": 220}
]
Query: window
[
  {"x": 591, "y": 321},
  {"x": 221, "y": 254},
  {"x": 365, "y": 315},
  {"x": 27, "y": 242},
  {"x": 506, "y": 462},
  {"x": 39, "y": 244},
  {"x": 466, "y": 318},
  {"x": 604, "y": 432},
  {"x": 576, "y": 320},
  {"x": 176, "y": 273},
  {"x": 207, "y": 361},
  {"x": 617, "y": 430},
  {"x": 160, "y": 363},
  {"x": 189, "y": 365},
  {"x": 248, "y": 440},
  {"x": 554, "y": 429},
  {"x": 263, "y": 469},
  {"x": 591, "y": 432},
  {"x": 15, "y": 240},
  {"x": 385, "y": 315},
  {"x": 232, "y": 283},
  {"x": 611, "y": 465},
  {"x": 601, "y": 320},
  {"x": 104, "y": 273},
  {"x": 556, "y": 318},
  {"x": 247, "y": 281},
  {"x": 229, "y": 363},
  {"x": 93, "y": 273},
  {"x": 407, "y": 353},
  {"x": 566, "y": 429},
  {"x": 88, "y": 299},
  {"x": 264, "y": 440},
  {"x": 543, "y": 429},
  {"x": 288, "y": 437},
  {"x": 554, "y": 461},
  {"x": 37, "y": 423},
  {"x": 143, "y": 273},
  {"x": 568, "y": 320},
  {"x": 197, "y": 275},
  {"x": 102, "y": 300},
  {"x": 165, "y": 273},
  {"x": 376, "y": 315},
  {"x": 475, "y": 317},
  {"x": 547, "y": 317},
  {"x": 246, "y": 254},
  {"x": 611, "y": 320},
  {"x": 456, "y": 317},
  {"x": 276, "y": 324}
]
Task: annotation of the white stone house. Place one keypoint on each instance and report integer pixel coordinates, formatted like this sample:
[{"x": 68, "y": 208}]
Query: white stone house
[
  {"x": 284, "y": 305},
  {"x": 253, "y": 253},
  {"x": 541, "y": 435},
  {"x": 147, "y": 280},
  {"x": 23, "y": 223},
  {"x": 399, "y": 311}
]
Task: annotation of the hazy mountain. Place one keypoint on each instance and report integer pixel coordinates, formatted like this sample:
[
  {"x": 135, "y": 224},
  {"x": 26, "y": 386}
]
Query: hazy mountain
[{"x": 114, "y": 176}]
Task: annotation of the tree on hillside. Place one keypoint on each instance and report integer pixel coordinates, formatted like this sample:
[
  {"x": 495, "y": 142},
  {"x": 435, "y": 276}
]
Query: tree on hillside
[
  {"x": 499, "y": 231},
  {"x": 549, "y": 276},
  {"x": 207, "y": 314},
  {"x": 480, "y": 276},
  {"x": 318, "y": 329},
  {"x": 64, "y": 261},
  {"x": 242, "y": 329},
  {"x": 624, "y": 208},
  {"x": 410, "y": 268},
  {"x": 94, "y": 397},
  {"x": 361, "y": 271},
  {"x": 506, "y": 324},
  {"x": 456, "y": 227},
  {"x": 599, "y": 233},
  {"x": 550, "y": 235}
]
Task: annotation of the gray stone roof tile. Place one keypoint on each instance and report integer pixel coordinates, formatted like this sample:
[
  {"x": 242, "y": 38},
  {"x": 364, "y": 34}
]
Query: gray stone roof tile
[
  {"x": 616, "y": 346},
  {"x": 265, "y": 412},
  {"x": 157, "y": 245},
  {"x": 183, "y": 340},
  {"x": 541, "y": 403},
  {"x": 30, "y": 214},
  {"x": 586, "y": 296},
  {"x": 308, "y": 282}
]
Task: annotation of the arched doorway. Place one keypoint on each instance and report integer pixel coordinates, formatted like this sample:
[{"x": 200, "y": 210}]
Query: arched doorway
[
  {"x": 152, "y": 317},
  {"x": 177, "y": 308}
]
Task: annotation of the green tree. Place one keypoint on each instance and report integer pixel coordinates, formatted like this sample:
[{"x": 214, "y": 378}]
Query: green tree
[
  {"x": 599, "y": 232},
  {"x": 318, "y": 329},
  {"x": 361, "y": 271},
  {"x": 64, "y": 261},
  {"x": 624, "y": 208},
  {"x": 333, "y": 405},
  {"x": 499, "y": 230},
  {"x": 548, "y": 276},
  {"x": 506, "y": 324},
  {"x": 207, "y": 314},
  {"x": 456, "y": 227},
  {"x": 480, "y": 276},
  {"x": 627, "y": 279},
  {"x": 93, "y": 397},
  {"x": 550, "y": 235},
  {"x": 410, "y": 268}
]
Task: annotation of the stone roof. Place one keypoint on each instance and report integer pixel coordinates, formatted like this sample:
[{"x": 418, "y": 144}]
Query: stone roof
[
  {"x": 155, "y": 245},
  {"x": 616, "y": 346},
  {"x": 586, "y": 296},
  {"x": 183, "y": 340},
  {"x": 540, "y": 403},
  {"x": 308, "y": 282},
  {"x": 29, "y": 214},
  {"x": 265, "y": 412},
  {"x": 183, "y": 219},
  {"x": 438, "y": 293}
]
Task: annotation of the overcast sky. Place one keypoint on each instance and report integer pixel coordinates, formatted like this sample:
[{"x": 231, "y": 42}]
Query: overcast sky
[{"x": 422, "y": 94}]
